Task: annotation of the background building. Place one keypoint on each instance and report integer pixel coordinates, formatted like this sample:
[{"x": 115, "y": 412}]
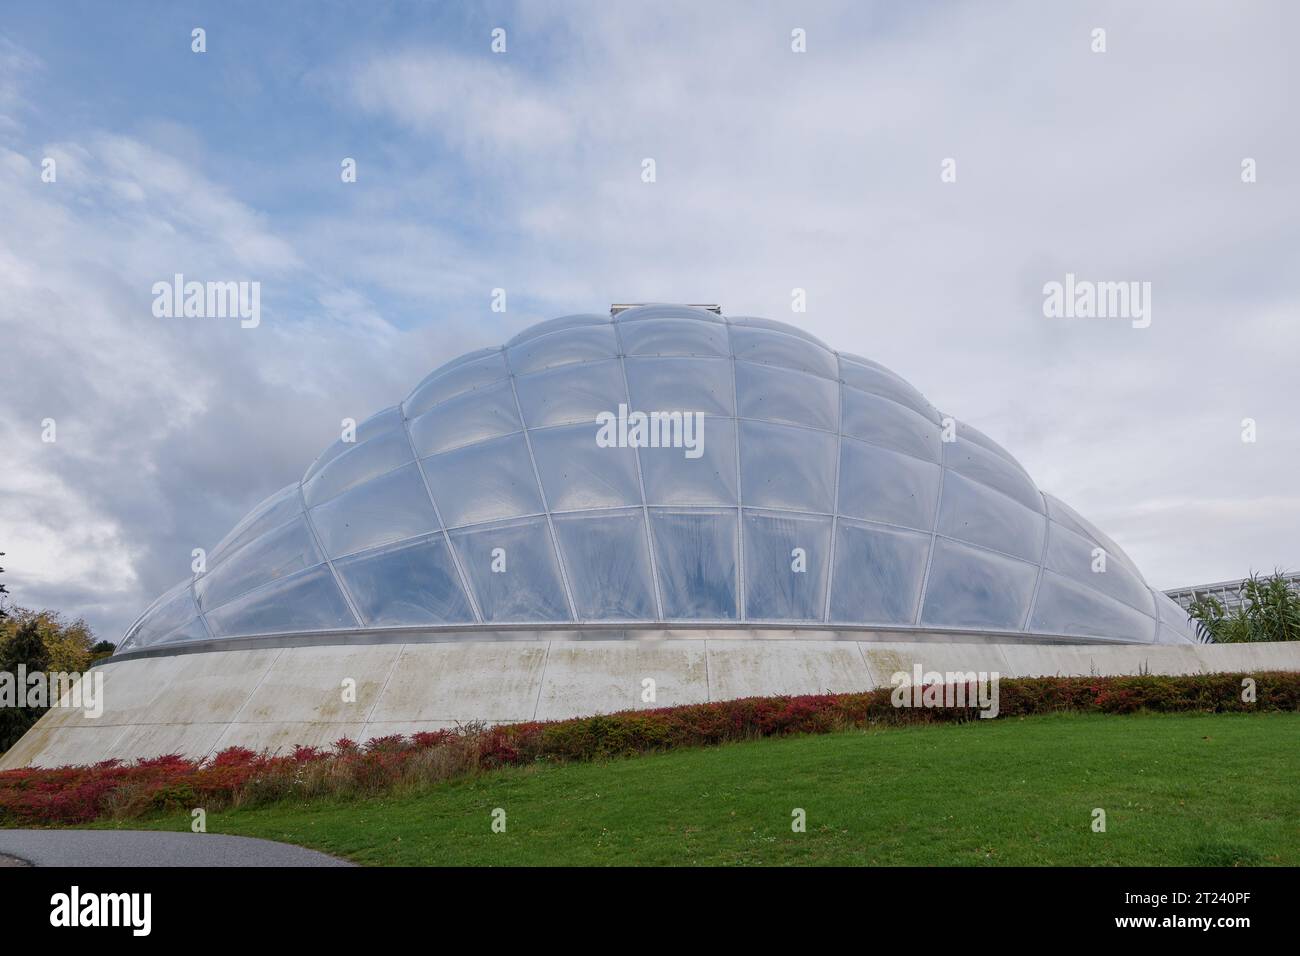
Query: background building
[{"x": 1227, "y": 593}]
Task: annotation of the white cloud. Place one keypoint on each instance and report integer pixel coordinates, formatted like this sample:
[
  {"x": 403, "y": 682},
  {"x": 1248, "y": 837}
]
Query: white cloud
[
  {"x": 16, "y": 67},
  {"x": 167, "y": 429},
  {"x": 476, "y": 103},
  {"x": 821, "y": 171},
  {"x": 776, "y": 170}
]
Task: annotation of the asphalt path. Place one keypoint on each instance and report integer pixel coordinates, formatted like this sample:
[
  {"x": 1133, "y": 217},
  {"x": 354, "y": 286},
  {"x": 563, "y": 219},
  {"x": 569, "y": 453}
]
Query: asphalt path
[{"x": 95, "y": 848}]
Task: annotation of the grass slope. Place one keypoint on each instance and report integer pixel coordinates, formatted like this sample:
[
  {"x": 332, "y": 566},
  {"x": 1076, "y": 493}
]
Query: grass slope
[{"x": 1177, "y": 790}]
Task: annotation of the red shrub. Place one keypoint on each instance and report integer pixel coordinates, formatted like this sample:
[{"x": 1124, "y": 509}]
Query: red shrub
[{"x": 70, "y": 795}]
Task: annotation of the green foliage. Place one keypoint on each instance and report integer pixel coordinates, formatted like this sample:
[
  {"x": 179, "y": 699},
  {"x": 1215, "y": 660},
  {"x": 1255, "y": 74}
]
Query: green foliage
[
  {"x": 1270, "y": 611},
  {"x": 23, "y": 647},
  {"x": 68, "y": 644},
  {"x": 238, "y": 776},
  {"x": 41, "y": 641},
  {"x": 1178, "y": 790},
  {"x": 101, "y": 649}
]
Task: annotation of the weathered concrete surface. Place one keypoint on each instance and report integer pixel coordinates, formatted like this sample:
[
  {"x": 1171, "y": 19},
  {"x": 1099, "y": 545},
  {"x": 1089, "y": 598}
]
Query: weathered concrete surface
[
  {"x": 151, "y": 740},
  {"x": 277, "y": 698},
  {"x": 461, "y": 682},
  {"x": 1032, "y": 660},
  {"x": 608, "y": 676},
  {"x": 321, "y": 685},
  {"x": 129, "y": 691},
  {"x": 886, "y": 658},
  {"x": 208, "y": 688},
  {"x": 759, "y": 668},
  {"x": 57, "y": 747}
]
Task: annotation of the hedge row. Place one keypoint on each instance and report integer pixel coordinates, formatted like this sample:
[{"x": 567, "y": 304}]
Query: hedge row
[{"x": 237, "y": 776}]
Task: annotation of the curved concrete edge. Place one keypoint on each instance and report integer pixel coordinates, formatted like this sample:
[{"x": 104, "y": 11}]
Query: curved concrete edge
[
  {"x": 276, "y": 698},
  {"x": 100, "y": 848},
  {"x": 590, "y": 631}
]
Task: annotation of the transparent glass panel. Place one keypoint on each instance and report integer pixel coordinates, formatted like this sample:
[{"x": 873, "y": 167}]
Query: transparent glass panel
[
  {"x": 1175, "y": 626},
  {"x": 309, "y": 601},
  {"x": 271, "y": 513},
  {"x": 370, "y": 509},
  {"x": 513, "y": 571},
  {"x": 575, "y": 393},
  {"x": 992, "y": 470},
  {"x": 1167, "y": 609},
  {"x": 686, "y": 384},
  {"x": 191, "y": 630},
  {"x": 866, "y": 363},
  {"x": 555, "y": 325},
  {"x": 407, "y": 585},
  {"x": 978, "y": 514},
  {"x": 608, "y": 564},
  {"x": 978, "y": 437},
  {"x": 1064, "y": 514},
  {"x": 1167, "y": 635},
  {"x": 383, "y": 510},
  {"x": 1184, "y": 632},
  {"x": 1071, "y": 555},
  {"x": 787, "y": 468},
  {"x": 782, "y": 395},
  {"x": 366, "y": 460},
  {"x": 380, "y": 422},
  {"x": 870, "y": 377},
  {"x": 882, "y": 485},
  {"x": 786, "y": 560},
  {"x": 1064, "y": 607},
  {"x": 771, "y": 325},
  {"x": 468, "y": 358},
  {"x": 169, "y": 612},
  {"x": 671, "y": 478},
  {"x": 885, "y": 422},
  {"x": 484, "y": 413},
  {"x": 1175, "y": 619},
  {"x": 665, "y": 311},
  {"x": 578, "y": 473},
  {"x": 695, "y": 552},
  {"x": 372, "y": 427},
  {"x": 878, "y": 573},
  {"x": 566, "y": 347},
  {"x": 787, "y": 351},
  {"x": 455, "y": 379},
  {"x": 279, "y": 553},
  {"x": 484, "y": 482},
  {"x": 675, "y": 337},
  {"x": 973, "y": 588}
]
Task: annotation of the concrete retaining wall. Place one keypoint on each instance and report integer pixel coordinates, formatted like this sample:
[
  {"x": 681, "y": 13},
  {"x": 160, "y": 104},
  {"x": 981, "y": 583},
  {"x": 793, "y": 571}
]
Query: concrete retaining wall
[{"x": 276, "y": 697}]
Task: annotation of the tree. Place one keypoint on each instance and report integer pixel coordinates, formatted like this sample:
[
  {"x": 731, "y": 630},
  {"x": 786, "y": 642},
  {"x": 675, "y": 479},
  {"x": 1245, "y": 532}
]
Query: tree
[
  {"x": 67, "y": 644},
  {"x": 23, "y": 648},
  {"x": 39, "y": 641},
  {"x": 101, "y": 649},
  {"x": 1269, "y": 611},
  {"x": 1272, "y": 608},
  {"x": 1213, "y": 619},
  {"x": 3, "y": 591}
]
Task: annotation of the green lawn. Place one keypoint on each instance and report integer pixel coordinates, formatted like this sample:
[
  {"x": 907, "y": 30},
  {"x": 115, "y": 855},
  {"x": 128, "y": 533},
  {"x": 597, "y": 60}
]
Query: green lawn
[{"x": 1177, "y": 790}]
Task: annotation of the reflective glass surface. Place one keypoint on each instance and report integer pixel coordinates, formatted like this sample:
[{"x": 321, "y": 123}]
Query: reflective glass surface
[{"x": 667, "y": 465}]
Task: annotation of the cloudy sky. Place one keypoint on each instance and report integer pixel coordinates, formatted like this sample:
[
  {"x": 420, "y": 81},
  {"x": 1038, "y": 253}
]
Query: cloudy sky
[{"x": 522, "y": 170}]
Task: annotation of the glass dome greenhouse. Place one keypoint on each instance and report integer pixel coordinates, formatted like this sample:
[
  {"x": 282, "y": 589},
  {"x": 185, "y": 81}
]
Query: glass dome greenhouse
[{"x": 794, "y": 486}]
